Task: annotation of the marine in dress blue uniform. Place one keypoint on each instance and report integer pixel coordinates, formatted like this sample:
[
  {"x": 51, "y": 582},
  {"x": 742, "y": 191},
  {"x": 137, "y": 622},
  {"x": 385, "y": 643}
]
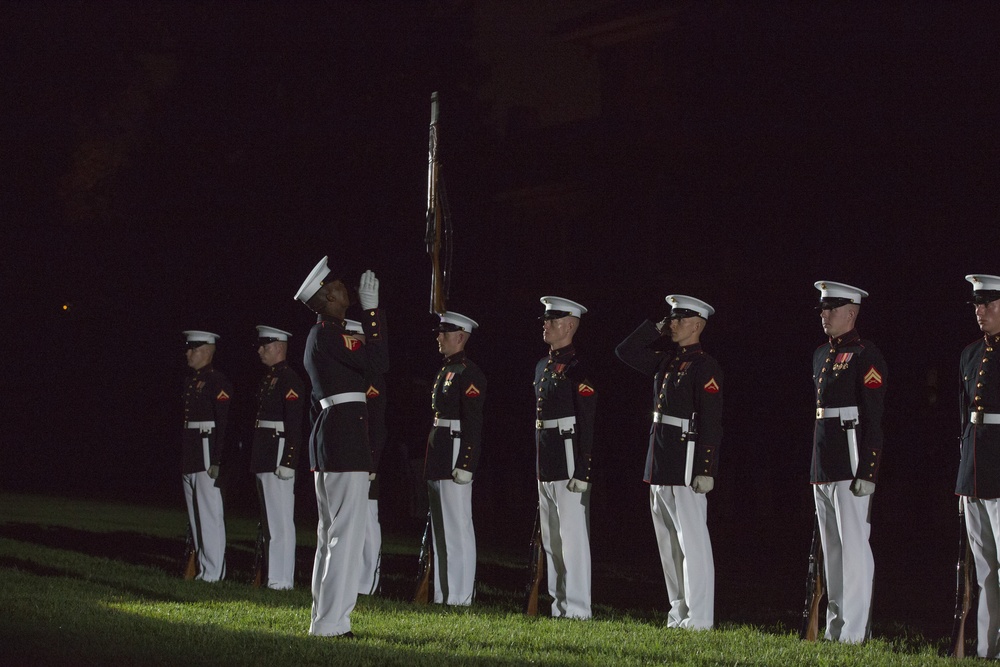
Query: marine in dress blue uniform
[
  {"x": 277, "y": 442},
  {"x": 340, "y": 453},
  {"x": 978, "y": 484},
  {"x": 849, "y": 377},
  {"x": 682, "y": 458},
  {"x": 454, "y": 446},
  {"x": 207, "y": 397},
  {"x": 565, "y": 407}
]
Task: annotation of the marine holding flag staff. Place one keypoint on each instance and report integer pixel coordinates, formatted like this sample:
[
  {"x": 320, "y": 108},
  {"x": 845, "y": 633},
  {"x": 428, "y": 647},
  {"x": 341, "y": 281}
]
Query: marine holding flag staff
[
  {"x": 978, "y": 482},
  {"x": 207, "y": 397},
  {"x": 340, "y": 453},
  {"x": 277, "y": 441},
  {"x": 849, "y": 376},
  {"x": 565, "y": 407},
  {"x": 454, "y": 446},
  {"x": 683, "y": 452}
]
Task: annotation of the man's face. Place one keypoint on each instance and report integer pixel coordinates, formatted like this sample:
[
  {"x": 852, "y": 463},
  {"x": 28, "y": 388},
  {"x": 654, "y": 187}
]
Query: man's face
[
  {"x": 338, "y": 297},
  {"x": 558, "y": 332},
  {"x": 450, "y": 342},
  {"x": 684, "y": 330},
  {"x": 988, "y": 317},
  {"x": 273, "y": 352},
  {"x": 837, "y": 321},
  {"x": 201, "y": 356}
]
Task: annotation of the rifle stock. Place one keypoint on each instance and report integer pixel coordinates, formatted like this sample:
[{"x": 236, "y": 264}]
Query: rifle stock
[
  {"x": 963, "y": 587},
  {"x": 260, "y": 558},
  {"x": 191, "y": 566},
  {"x": 814, "y": 588},
  {"x": 536, "y": 567},
  {"x": 422, "y": 595}
]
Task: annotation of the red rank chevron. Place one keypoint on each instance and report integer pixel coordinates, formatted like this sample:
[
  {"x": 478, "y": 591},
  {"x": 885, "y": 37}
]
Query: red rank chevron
[{"x": 873, "y": 379}]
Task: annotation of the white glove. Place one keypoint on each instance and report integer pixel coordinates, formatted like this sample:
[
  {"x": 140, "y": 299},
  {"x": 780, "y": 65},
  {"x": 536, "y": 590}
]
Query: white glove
[
  {"x": 461, "y": 476},
  {"x": 703, "y": 484},
  {"x": 577, "y": 485},
  {"x": 862, "y": 487},
  {"x": 368, "y": 290},
  {"x": 284, "y": 473},
  {"x": 213, "y": 472},
  {"x": 371, "y": 477}
]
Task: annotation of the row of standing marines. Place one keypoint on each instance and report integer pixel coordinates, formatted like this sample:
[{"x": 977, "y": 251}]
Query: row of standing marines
[{"x": 346, "y": 359}]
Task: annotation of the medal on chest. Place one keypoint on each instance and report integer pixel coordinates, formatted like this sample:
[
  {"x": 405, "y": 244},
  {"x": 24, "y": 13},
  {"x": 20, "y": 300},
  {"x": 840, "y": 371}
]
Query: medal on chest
[{"x": 841, "y": 362}]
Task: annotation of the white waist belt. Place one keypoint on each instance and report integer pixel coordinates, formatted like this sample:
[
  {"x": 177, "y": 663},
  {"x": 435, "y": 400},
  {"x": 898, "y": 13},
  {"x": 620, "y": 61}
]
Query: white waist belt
[
  {"x": 672, "y": 421},
  {"x": 453, "y": 424},
  {"x": 277, "y": 426},
  {"x": 843, "y": 414},
  {"x": 563, "y": 424},
  {"x": 204, "y": 427},
  {"x": 346, "y": 397},
  {"x": 984, "y": 418}
]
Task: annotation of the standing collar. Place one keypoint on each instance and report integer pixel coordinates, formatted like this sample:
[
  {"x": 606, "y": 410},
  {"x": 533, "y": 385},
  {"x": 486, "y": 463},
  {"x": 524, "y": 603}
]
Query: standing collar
[
  {"x": 456, "y": 358},
  {"x": 848, "y": 338},
  {"x": 688, "y": 349},
  {"x": 326, "y": 320},
  {"x": 563, "y": 353}
]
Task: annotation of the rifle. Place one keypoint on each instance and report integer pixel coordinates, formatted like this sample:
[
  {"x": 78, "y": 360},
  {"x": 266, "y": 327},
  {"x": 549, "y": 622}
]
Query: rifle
[
  {"x": 260, "y": 558},
  {"x": 190, "y": 555},
  {"x": 426, "y": 566},
  {"x": 536, "y": 567},
  {"x": 963, "y": 586},
  {"x": 439, "y": 231},
  {"x": 814, "y": 588}
]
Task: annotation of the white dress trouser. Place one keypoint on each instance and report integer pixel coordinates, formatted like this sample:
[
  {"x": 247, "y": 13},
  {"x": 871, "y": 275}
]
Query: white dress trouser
[
  {"x": 680, "y": 519},
  {"x": 277, "y": 497},
  {"x": 340, "y": 534},
  {"x": 208, "y": 525},
  {"x": 564, "y": 517},
  {"x": 982, "y": 519},
  {"x": 454, "y": 539},
  {"x": 848, "y": 564},
  {"x": 372, "y": 551}
]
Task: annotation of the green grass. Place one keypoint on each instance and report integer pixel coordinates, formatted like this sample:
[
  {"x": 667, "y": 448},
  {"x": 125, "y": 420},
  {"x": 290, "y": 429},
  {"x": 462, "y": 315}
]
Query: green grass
[{"x": 85, "y": 582}]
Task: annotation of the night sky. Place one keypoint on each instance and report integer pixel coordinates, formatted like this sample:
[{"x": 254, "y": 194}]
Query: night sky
[{"x": 184, "y": 165}]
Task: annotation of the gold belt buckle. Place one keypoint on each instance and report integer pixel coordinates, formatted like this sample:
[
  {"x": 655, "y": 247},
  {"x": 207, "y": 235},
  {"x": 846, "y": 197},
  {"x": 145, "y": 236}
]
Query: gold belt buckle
[
  {"x": 975, "y": 417},
  {"x": 820, "y": 413},
  {"x": 538, "y": 424}
]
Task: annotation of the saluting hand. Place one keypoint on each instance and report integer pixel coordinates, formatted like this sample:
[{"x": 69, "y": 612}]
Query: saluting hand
[{"x": 368, "y": 290}]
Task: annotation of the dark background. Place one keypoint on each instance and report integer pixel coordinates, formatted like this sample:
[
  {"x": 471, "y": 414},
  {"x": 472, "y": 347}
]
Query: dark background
[{"x": 184, "y": 165}]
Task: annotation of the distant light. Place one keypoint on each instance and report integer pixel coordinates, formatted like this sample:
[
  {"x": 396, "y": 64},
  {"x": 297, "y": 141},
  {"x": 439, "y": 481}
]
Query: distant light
[{"x": 65, "y": 307}]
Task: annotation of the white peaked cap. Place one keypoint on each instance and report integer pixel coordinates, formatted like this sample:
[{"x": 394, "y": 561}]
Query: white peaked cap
[
  {"x": 831, "y": 290},
  {"x": 983, "y": 282},
  {"x": 271, "y": 332},
  {"x": 680, "y": 302},
  {"x": 313, "y": 282},
  {"x": 461, "y": 321},
  {"x": 201, "y": 337},
  {"x": 561, "y": 305}
]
